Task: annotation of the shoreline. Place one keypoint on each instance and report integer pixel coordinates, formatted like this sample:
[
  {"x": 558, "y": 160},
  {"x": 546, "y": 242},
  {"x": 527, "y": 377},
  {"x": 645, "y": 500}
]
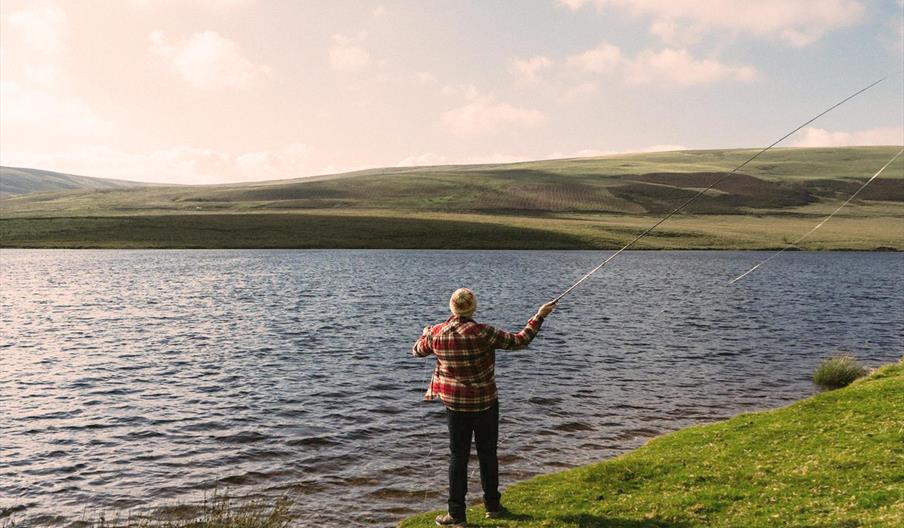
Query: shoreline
[
  {"x": 826, "y": 460},
  {"x": 373, "y": 229},
  {"x": 264, "y": 248}
]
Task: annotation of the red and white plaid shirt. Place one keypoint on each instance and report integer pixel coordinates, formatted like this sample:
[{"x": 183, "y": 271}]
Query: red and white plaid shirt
[{"x": 464, "y": 376}]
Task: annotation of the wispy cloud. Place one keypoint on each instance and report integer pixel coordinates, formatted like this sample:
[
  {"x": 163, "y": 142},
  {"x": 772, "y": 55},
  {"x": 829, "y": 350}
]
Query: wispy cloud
[
  {"x": 430, "y": 158},
  {"x": 668, "y": 66},
  {"x": 348, "y": 53},
  {"x": 178, "y": 164},
  {"x": 42, "y": 25},
  {"x": 819, "y": 137},
  {"x": 680, "y": 68},
  {"x": 604, "y": 57},
  {"x": 483, "y": 115},
  {"x": 209, "y": 4},
  {"x": 34, "y": 112},
  {"x": 207, "y": 60},
  {"x": 530, "y": 69},
  {"x": 795, "y": 22}
]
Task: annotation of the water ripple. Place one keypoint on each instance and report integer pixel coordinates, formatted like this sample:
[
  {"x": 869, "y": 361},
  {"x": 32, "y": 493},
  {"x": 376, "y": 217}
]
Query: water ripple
[{"x": 142, "y": 378}]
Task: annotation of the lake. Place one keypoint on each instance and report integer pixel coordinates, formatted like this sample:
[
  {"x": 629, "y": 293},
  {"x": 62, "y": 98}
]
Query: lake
[{"x": 141, "y": 378}]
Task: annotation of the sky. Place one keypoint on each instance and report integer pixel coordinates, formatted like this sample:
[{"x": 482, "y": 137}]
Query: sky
[{"x": 220, "y": 91}]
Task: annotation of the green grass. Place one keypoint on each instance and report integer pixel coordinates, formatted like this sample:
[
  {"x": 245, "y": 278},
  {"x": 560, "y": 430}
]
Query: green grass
[
  {"x": 837, "y": 372},
  {"x": 578, "y": 203},
  {"x": 833, "y": 460},
  {"x": 15, "y": 181},
  {"x": 376, "y": 229},
  {"x": 217, "y": 511}
]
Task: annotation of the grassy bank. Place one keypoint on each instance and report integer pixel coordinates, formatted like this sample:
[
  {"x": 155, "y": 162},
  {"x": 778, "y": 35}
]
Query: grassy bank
[
  {"x": 862, "y": 229},
  {"x": 833, "y": 460},
  {"x": 588, "y": 203}
]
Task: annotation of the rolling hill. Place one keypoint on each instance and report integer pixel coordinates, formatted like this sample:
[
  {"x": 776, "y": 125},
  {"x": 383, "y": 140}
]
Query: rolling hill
[
  {"x": 571, "y": 203},
  {"x": 16, "y": 181}
]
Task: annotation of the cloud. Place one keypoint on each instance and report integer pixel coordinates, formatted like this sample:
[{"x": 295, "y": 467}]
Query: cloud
[
  {"x": 679, "y": 67},
  {"x": 529, "y": 69},
  {"x": 796, "y": 22},
  {"x": 41, "y": 26},
  {"x": 661, "y": 148},
  {"x": 430, "y": 158},
  {"x": 424, "y": 160},
  {"x": 468, "y": 91},
  {"x": 667, "y": 66},
  {"x": 36, "y": 113},
  {"x": 604, "y": 57},
  {"x": 380, "y": 11},
  {"x": 425, "y": 77},
  {"x": 180, "y": 164},
  {"x": 208, "y": 60},
  {"x": 581, "y": 89},
  {"x": 674, "y": 34},
  {"x": 818, "y": 137},
  {"x": 347, "y": 53},
  {"x": 483, "y": 114},
  {"x": 574, "y": 5},
  {"x": 210, "y": 4}
]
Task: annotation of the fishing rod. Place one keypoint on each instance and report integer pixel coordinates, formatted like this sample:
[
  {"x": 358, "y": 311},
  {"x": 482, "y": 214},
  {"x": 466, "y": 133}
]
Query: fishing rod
[
  {"x": 694, "y": 198},
  {"x": 820, "y": 224}
]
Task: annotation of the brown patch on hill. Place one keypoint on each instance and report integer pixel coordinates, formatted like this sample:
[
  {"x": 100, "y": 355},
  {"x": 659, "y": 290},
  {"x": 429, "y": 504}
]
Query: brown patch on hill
[
  {"x": 887, "y": 190},
  {"x": 662, "y": 192}
]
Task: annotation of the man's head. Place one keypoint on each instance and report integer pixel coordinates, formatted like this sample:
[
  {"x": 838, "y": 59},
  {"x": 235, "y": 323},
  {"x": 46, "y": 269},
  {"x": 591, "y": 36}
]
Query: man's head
[{"x": 463, "y": 302}]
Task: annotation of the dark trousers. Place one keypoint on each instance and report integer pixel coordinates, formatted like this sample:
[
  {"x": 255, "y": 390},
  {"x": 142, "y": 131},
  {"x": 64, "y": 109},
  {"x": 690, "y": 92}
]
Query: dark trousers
[{"x": 484, "y": 425}]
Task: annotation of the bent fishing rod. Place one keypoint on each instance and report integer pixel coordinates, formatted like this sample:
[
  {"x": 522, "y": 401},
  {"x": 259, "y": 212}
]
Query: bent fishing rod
[
  {"x": 694, "y": 198},
  {"x": 820, "y": 224}
]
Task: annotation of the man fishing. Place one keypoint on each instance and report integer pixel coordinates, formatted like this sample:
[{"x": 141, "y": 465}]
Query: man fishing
[{"x": 464, "y": 379}]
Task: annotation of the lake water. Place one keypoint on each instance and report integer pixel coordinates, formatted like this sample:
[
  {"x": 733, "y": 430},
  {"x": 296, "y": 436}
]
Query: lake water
[{"x": 141, "y": 378}]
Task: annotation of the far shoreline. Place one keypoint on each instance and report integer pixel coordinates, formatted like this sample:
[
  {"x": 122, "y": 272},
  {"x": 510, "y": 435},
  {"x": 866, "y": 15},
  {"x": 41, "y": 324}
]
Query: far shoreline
[
  {"x": 381, "y": 229},
  {"x": 640, "y": 250}
]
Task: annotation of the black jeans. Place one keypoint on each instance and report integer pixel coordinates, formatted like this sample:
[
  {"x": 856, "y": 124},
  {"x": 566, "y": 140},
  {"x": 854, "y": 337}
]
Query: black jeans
[{"x": 485, "y": 427}]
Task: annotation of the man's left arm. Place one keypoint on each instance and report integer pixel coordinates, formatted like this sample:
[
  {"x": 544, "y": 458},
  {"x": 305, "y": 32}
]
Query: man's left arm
[{"x": 515, "y": 341}]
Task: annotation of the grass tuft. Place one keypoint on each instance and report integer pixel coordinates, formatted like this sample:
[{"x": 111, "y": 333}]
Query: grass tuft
[
  {"x": 838, "y": 371},
  {"x": 217, "y": 511}
]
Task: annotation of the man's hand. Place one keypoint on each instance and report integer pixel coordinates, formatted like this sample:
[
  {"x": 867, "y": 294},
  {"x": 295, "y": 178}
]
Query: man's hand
[
  {"x": 546, "y": 309},
  {"x": 426, "y": 330}
]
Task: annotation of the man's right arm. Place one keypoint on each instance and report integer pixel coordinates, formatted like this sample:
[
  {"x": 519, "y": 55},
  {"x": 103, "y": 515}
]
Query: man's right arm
[{"x": 422, "y": 348}]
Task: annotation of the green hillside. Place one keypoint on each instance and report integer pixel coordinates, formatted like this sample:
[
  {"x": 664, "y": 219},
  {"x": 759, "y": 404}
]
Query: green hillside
[
  {"x": 585, "y": 202},
  {"x": 833, "y": 460},
  {"x": 16, "y": 181}
]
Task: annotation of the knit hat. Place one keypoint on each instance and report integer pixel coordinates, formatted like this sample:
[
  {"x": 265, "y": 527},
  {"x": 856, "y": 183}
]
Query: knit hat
[{"x": 463, "y": 302}]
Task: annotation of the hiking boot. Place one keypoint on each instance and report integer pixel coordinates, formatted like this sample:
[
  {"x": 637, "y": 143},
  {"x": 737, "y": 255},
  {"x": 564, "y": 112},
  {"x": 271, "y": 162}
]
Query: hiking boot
[
  {"x": 448, "y": 520},
  {"x": 499, "y": 511}
]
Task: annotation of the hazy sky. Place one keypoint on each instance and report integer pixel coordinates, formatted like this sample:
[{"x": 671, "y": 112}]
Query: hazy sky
[{"x": 202, "y": 91}]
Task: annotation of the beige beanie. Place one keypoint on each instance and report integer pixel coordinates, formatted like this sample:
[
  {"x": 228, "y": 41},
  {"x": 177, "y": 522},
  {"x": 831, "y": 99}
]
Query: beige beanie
[{"x": 463, "y": 302}]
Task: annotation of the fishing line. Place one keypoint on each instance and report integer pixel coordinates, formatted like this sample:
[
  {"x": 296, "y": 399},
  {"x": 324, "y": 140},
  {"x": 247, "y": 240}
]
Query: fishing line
[
  {"x": 820, "y": 224},
  {"x": 697, "y": 196},
  {"x": 725, "y": 285},
  {"x": 694, "y": 198}
]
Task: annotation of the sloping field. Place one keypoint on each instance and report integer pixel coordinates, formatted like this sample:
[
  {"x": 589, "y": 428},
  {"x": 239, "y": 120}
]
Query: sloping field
[
  {"x": 17, "y": 181},
  {"x": 833, "y": 460},
  {"x": 787, "y": 184}
]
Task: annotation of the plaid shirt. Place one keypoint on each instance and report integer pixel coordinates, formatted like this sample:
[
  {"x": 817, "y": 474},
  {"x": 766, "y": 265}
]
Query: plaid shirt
[{"x": 464, "y": 376}]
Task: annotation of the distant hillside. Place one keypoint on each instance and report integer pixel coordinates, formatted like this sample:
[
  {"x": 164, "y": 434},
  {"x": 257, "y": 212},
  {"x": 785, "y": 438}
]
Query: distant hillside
[
  {"x": 554, "y": 204},
  {"x": 15, "y": 181},
  {"x": 782, "y": 180}
]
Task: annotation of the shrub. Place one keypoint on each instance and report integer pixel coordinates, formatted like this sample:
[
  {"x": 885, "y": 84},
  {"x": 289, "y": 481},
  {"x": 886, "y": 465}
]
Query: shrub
[{"x": 838, "y": 371}]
